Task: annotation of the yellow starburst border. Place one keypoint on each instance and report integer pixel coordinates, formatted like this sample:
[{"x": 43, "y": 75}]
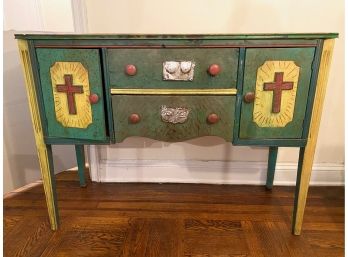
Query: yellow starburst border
[
  {"x": 83, "y": 116},
  {"x": 262, "y": 112}
]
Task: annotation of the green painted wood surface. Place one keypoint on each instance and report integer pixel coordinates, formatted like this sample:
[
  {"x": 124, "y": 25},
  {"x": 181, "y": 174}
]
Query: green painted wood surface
[
  {"x": 238, "y": 40},
  {"x": 81, "y": 163},
  {"x": 179, "y": 36},
  {"x": 90, "y": 59},
  {"x": 303, "y": 57},
  {"x": 174, "y": 43},
  {"x": 272, "y": 161},
  {"x": 152, "y": 126},
  {"x": 149, "y": 63}
]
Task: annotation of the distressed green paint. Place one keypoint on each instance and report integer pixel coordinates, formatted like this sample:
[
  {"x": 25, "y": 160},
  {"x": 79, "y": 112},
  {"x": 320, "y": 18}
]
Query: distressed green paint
[
  {"x": 181, "y": 43},
  {"x": 90, "y": 59},
  {"x": 149, "y": 64},
  {"x": 272, "y": 160},
  {"x": 152, "y": 126},
  {"x": 80, "y": 158},
  {"x": 303, "y": 57}
]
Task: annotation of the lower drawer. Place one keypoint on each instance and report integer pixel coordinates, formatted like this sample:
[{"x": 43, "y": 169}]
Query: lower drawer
[{"x": 173, "y": 118}]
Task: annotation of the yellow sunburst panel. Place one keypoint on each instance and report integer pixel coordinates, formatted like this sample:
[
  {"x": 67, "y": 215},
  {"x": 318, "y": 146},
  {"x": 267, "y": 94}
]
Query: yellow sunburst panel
[
  {"x": 263, "y": 115},
  {"x": 83, "y": 116}
]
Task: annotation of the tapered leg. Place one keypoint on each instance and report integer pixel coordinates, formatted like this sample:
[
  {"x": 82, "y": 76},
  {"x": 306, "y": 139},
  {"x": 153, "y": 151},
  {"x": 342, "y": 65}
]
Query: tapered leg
[
  {"x": 302, "y": 184},
  {"x": 307, "y": 153},
  {"x": 272, "y": 160},
  {"x": 80, "y": 157},
  {"x": 47, "y": 174},
  {"x": 44, "y": 151}
]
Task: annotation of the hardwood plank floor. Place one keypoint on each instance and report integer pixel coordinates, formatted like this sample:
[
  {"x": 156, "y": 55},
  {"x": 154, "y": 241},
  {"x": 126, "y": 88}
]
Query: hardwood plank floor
[{"x": 160, "y": 220}]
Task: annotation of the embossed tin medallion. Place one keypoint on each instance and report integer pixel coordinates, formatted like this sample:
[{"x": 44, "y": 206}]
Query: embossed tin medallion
[
  {"x": 182, "y": 70},
  {"x": 174, "y": 115}
]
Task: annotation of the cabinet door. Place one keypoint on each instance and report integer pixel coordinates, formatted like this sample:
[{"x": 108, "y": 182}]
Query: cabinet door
[
  {"x": 72, "y": 92},
  {"x": 280, "y": 79}
]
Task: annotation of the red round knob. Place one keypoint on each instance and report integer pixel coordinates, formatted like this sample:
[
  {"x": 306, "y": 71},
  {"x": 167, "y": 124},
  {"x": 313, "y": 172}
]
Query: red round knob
[
  {"x": 213, "y": 118},
  {"x": 93, "y": 98},
  {"x": 214, "y": 69},
  {"x": 249, "y": 97},
  {"x": 131, "y": 70},
  {"x": 134, "y": 118}
]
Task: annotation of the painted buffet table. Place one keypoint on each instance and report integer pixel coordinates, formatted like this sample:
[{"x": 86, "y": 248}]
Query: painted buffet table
[{"x": 256, "y": 89}]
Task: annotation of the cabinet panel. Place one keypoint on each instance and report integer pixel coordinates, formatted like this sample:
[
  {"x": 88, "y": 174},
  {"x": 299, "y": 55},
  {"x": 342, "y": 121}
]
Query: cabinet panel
[
  {"x": 277, "y": 83},
  {"x": 72, "y": 90}
]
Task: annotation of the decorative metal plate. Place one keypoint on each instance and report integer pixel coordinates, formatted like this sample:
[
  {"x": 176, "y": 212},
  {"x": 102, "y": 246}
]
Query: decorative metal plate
[
  {"x": 181, "y": 70},
  {"x": 174, "y": 115}
]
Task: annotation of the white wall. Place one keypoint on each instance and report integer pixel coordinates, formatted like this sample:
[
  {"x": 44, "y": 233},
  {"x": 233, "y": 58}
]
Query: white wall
[
  {"x": 155, "y": 16},
  {"x": 225, "y": 16},
  {"x": 21, "y": 165}
]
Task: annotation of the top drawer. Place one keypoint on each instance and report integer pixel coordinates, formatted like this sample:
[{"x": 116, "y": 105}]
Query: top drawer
[{"x": 149, "y": 64}]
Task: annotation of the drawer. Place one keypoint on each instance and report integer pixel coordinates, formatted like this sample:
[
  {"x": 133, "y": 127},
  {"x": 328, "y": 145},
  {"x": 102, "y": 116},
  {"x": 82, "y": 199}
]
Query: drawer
[
  {"x": 148, "y": 64},
  {"x": 173, "y": 118},
  {"x": 72, "y": 93}
]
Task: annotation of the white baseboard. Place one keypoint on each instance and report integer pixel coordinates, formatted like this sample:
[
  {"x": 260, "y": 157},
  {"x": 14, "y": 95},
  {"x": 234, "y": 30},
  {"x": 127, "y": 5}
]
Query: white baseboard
[{"x": 210, "y": 172}]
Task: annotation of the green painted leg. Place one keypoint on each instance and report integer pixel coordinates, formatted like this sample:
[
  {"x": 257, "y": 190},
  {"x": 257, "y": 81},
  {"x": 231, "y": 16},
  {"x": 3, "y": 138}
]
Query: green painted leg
[
  {"x": 272, "y": 160},
  {"x": 80, "y": 157},
  {"x": 302, "y": 184}
]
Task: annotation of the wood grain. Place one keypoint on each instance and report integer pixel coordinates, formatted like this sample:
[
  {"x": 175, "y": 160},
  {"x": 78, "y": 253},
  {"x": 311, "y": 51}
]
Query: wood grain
[{"x": 191, "y": 220}]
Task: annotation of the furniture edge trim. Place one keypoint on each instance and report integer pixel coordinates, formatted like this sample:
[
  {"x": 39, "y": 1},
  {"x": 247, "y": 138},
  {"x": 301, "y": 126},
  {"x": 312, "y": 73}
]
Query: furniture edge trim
[{"x": 140, "y": 91}]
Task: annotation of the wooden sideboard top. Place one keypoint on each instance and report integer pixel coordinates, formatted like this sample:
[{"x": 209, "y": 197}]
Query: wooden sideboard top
[{"x": 179, "y": 36}]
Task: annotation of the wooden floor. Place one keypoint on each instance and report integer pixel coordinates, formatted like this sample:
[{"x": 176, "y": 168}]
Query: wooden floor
[{"x": 159, "y": 220}]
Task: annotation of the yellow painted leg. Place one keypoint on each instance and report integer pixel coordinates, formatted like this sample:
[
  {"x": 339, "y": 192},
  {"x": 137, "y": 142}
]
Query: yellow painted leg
[
  {"x": 44, "y": 151},
  {"x": 307, "y": 153}
]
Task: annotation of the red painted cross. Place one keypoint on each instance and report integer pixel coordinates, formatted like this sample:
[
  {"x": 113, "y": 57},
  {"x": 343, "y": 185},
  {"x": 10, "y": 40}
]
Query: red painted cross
[
  {"x": 70, "y": 91},
  {"x": 277, "y": 87}
]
